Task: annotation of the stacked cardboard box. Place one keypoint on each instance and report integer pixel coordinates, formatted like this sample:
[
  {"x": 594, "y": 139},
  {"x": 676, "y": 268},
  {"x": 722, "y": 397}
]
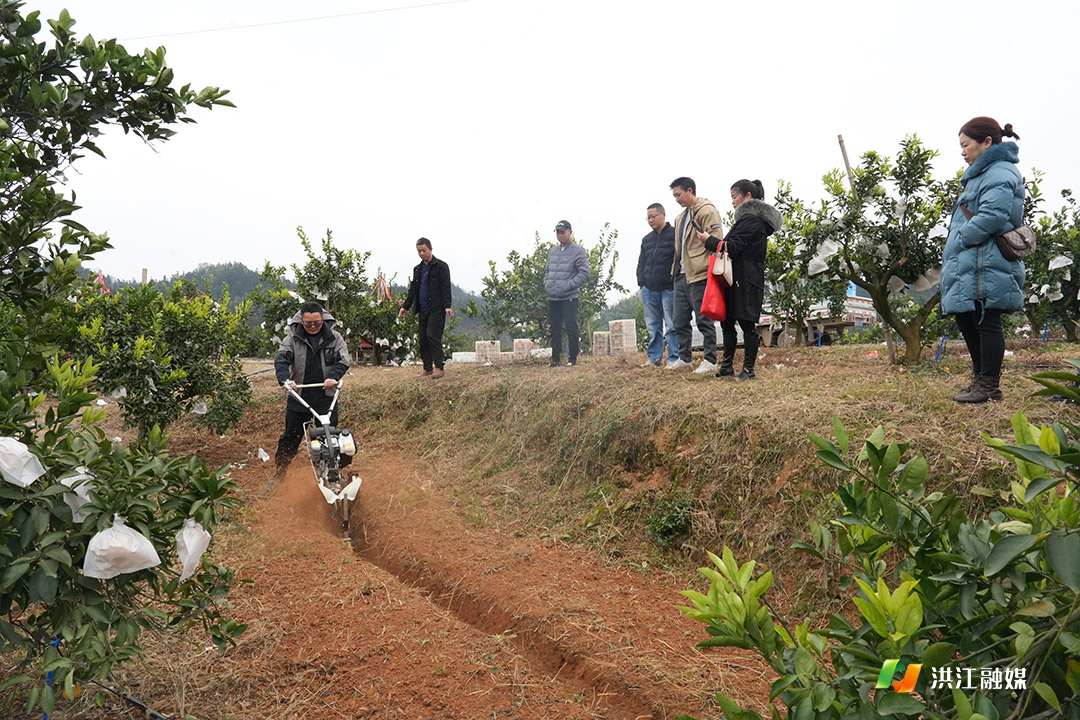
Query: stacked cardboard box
[
  {"x": 623, "y": 336},
  {"x": 523, "y": 348},
  {"x": 601, "y": 342},
  {"x": 506, "y": 356},
  {"x": 487, "y": 351}
]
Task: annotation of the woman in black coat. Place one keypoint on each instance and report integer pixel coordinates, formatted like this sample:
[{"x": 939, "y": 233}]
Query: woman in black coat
[{"x": 746, "y": 244}]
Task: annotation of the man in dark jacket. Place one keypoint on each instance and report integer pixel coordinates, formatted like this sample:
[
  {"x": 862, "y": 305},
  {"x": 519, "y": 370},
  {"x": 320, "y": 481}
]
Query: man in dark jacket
[
  {"x": 312, "y": 352},
  {"x": 429, "y": 293},
  {"x": 654, "y": 279},
  {"x": 566, "y": 273}
]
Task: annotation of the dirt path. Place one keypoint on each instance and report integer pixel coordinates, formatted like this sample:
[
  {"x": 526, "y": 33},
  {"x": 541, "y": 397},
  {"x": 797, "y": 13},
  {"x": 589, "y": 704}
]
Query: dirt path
[{"x": 426, "y": 615}]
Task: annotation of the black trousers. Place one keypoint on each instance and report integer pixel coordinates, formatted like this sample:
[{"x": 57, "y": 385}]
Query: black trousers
[
  {"x": 432, "y": 324},
  {"x": 289, "y": 442},
  {"x": 751, "y": 341},
  {"x": 563, "y": 314},
  {"x": 984, "y": 338}
]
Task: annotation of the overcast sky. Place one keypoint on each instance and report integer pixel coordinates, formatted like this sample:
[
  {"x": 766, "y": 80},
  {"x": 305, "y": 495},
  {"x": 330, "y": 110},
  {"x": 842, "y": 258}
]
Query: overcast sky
[{"x": 479, "y": 122}]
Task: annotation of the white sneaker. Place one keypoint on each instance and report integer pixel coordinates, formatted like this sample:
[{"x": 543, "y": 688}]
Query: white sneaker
[
  {"x": 705, "y": 367},
  {"x": 679, "y": 364}
]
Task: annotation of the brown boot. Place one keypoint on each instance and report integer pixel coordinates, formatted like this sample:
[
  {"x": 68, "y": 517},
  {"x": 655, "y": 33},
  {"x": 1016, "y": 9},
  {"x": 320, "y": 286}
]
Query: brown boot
[{"x": 984, "y": 388}]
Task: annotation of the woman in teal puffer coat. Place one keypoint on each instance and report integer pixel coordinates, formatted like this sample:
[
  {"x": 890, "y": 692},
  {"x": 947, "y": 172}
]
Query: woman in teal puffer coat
[{"x": 978, "y": 284}]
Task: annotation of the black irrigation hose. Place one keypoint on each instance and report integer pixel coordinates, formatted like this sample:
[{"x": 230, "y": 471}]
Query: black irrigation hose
[{"x": 150, "y": 712}]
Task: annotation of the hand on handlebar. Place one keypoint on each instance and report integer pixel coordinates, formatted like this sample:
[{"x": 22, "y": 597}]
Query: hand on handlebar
[
  {"x": 289, "y": 384},
  {"x": 329, "y": 383}
]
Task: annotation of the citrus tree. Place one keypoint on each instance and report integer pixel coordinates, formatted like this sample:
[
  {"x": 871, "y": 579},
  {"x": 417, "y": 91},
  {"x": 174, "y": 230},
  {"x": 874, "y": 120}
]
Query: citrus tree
[
  {"x": 791, "y": 291},
  {"x": 886, "y": 233},
  {"x": 1053, "y": 279},
  {"x": 163, "y": 355},
  {"x": 338, "y": 279},
  {"x": 57, "y": 94}
]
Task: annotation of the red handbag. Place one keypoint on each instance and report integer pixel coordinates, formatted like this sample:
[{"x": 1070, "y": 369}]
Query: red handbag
[{"x": 712, "y": 305}]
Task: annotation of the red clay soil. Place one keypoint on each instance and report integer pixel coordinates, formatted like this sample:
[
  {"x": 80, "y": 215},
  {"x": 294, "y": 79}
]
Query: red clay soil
[{"x": 425, "y": 615}]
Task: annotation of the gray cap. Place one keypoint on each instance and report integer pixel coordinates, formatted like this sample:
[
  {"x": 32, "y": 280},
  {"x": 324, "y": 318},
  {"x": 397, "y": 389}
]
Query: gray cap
[{"x": 563, "y": 225}]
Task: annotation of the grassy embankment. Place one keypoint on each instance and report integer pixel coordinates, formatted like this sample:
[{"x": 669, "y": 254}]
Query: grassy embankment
[{"x": 654, "y": 466}]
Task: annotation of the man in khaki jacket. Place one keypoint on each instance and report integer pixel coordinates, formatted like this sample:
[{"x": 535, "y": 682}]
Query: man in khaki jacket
[{"x": 690, "y": 268}]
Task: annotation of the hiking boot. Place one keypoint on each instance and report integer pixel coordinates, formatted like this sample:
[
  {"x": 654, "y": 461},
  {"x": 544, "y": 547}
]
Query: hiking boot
[
  {"x": 705, "y": 367},
  {"x": 971, "y": 383},
  {"x": 726, "y": 369},
  {"x": 746, "y": 374},
  {"x": 437, "y": 373},
  {"x": 984, "y": 388},
  {"x": 279, "y": 474}
]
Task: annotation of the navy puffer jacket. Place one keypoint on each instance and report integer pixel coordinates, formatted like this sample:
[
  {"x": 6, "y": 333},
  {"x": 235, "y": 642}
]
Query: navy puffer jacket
[
  {"x": 972, "y": 267},
  {"x": 654, "y": 260}
]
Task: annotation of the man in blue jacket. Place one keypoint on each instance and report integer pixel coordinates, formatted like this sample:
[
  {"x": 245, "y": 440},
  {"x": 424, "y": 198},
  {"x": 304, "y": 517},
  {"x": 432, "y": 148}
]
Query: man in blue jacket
[
  {"x": 657, "y": 291},
  {"x": 429, "y": 293},
  {"x": 566, "y": 273}
]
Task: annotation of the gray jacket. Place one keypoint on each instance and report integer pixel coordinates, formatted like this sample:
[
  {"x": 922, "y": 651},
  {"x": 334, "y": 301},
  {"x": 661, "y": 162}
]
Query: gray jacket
[
  {"x": 291, "y": 358},
  {"x": 567, "y": 271}
]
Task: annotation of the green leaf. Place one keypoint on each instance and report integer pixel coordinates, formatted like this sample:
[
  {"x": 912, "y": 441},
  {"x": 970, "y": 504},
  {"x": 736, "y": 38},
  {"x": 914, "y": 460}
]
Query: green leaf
[
  {"x": 808, "y": 549},
  {"x": 1041, "y": 608},
  {"x": 889, "y": 511},
  {"x": 42, "y": 587},
  {"x": 1047, "y": 693},
  {"x": 914, "y": 473},
  {"x": 1005, "y": 551},
  {"x": 1023, "y": 431},
  {"x": 894, "y": 702},
  {"x": 963, "y": 705},
  {"x": 833, "y": 460},
  {"x": 823, "y": 443},
  {"x": 13, "y": 572},
  {"x": 822, "y": 696},
  {"x": 1040, "y": 485},
  {"x": 842, "y": 439},
  {"x": 804, "y": 663},
  {"x": 873, "y": 615},
  {"x": 939, "y": 654},
  {"x": 1072, "y": 675},
  {"x": 889, "y": 462},
  {"x": 778, "y": 686},
  {"x": 1063, "y": 552},
  {"x": 14, "y": 681}
]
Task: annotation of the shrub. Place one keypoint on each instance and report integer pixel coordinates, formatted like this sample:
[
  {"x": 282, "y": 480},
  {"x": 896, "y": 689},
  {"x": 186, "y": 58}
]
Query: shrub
[
  {"x": 931, "y": 584},
  {"x": 164, "y": 356}
]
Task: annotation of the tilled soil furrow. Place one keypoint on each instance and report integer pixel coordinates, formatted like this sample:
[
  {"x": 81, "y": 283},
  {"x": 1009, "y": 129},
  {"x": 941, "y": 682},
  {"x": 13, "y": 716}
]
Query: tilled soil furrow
[
  {"x": 535, "y": 638},
  {"x": 609, "y": 634}
]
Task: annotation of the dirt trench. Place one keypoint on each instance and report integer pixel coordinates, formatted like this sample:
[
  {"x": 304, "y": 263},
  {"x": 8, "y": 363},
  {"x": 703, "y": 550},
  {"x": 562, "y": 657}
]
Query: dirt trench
[{"x": 597, "y": 640}]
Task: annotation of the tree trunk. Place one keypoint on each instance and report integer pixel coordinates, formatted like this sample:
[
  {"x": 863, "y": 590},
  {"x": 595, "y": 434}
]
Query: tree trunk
[{"x": 911, "y": 331}]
